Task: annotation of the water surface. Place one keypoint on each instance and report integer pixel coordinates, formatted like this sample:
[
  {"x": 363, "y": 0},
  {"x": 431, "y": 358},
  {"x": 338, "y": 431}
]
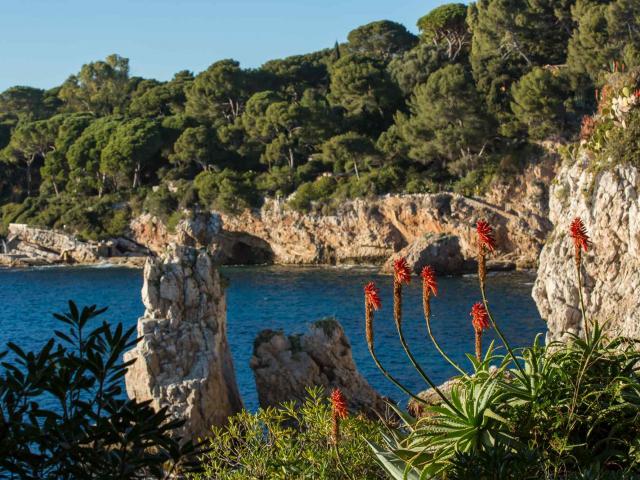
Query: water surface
[{"x": 288, "y": 299}]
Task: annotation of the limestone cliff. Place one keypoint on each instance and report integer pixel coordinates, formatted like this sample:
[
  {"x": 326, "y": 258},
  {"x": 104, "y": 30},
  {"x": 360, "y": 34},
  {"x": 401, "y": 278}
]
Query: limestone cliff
[
  {"x": 371, "y": 230},
  {"x": 285, "y": 366},
  {"x": 608, "y": 204},
  {"x": 183, "y": 361},
  {"x": 29, "y": 246}
]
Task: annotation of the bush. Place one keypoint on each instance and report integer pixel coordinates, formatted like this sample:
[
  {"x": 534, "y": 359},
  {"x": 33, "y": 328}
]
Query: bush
[
  {"x": 290, "y": 442},
  {"x": 310, "y": 192},
  {"x": 64, "y": 415},
  {"x": 228, "y": 191}
]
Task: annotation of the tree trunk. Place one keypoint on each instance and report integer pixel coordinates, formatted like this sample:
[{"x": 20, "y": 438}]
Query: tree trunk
[
  {"x": 291, "y": 159},
  {"x": 136, "y": 175}
]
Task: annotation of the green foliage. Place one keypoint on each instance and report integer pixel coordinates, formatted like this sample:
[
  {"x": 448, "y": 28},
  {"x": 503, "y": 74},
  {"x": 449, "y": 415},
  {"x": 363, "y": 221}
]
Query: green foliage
[
  {"x": 196, "y": 145},
  {"x": 349, "y": 152},
  {"x": 382, "y": 40},
  {"x": 310, "y": 192},
  {"x": 442, "y": 20},
  {"x": 162, "y": 100},
  {"x": 364, "y": 89},
  {"x": 227, "y": 191},
  {"x": 85, "y": 428},
  {"x": 217, "y": 94},
  {"x": 509, "y": 38},
  {"x": 292, "y": 441},
  {"x": 606, "y": 32},
  {"x": 623, "y": 145},
  {"x": 446, "y": 120},
  {"x": 100, "y": 88},
  {"x": 571, "y": 408},
  {"x": 481, "y": 79},
  {"x": 538, "y": 103},
  {"x": 447, "y": 26}
]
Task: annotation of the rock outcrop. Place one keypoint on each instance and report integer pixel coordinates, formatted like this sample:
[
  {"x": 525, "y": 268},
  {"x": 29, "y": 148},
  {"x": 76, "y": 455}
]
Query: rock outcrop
[
  {"x": 30, "y": 246},
  {"x": 608, "y": 204},
  {"x": 441, "y": 251},
  {"x": 369, "y": 231},
  {"x": 183, "y": 361},
  {"x": 285, "y": 366},
  {"x": 198, "y": 230}
]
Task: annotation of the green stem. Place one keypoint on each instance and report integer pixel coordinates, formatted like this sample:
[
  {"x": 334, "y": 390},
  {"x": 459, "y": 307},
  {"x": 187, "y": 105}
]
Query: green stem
[
  {"x": 437, "y": 345},
  {"x": 582, "y": 309},
  {"x": 393, "y": 380},
  {"x": 422, "y": 373},
  {"x": 498, "y": 331}
]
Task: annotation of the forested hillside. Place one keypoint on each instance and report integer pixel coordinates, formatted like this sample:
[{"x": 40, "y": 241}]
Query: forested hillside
[{"x": 467, "y": 99}]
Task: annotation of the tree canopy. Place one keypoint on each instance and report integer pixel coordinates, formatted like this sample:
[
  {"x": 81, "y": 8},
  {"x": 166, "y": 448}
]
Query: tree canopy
[{"x": 382, "y": 111}]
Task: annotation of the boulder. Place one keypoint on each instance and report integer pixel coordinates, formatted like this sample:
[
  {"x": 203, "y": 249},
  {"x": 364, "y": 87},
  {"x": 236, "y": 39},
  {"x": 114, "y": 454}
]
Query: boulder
[
  {"x": 439, "y": 250},
  {"x": 183, "y": 361},
  {"x": 285, "y": 366},
  {"x": 609, "y": 206}
]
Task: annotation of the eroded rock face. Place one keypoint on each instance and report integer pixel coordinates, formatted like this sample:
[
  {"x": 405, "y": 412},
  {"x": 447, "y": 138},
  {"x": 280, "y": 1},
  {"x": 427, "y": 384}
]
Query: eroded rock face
[
  {"x": 183, "y": 361},
  {"x": 49, "y": 247},
  {"x": 371, "y": 230},
  {"x": 285, "y": 366},
  {"x": 199, "y": 230},
  {"x": 441, "y": 251},
  {"x": 608, "y": 204}
]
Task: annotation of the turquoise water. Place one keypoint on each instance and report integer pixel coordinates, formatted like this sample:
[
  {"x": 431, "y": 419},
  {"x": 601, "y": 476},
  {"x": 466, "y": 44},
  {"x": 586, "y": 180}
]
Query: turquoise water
[{"x": 288, "y": 299}]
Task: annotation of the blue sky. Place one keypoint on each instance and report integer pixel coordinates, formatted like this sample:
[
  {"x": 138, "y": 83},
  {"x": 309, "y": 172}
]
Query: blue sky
[{"x": 44, "y": 41}]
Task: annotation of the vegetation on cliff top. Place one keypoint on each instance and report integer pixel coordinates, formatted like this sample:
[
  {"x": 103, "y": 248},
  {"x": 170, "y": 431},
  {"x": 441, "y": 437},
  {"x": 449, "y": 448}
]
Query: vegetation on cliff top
[{"x": 386, "y": 111}]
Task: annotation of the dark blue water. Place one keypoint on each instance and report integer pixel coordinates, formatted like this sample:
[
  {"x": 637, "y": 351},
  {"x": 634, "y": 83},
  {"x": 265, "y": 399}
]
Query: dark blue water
[{"x": 288, "y": 299}]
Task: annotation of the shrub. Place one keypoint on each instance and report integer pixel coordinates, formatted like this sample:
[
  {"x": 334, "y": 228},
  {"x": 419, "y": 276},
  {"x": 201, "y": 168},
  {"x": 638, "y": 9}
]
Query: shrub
[
  {"x": 64, "y": 416},
  {"x": 292, "y": 441}
]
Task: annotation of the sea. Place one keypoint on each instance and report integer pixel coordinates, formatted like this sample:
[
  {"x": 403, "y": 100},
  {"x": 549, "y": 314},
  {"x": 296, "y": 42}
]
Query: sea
[{"x": 287, "y": 299}]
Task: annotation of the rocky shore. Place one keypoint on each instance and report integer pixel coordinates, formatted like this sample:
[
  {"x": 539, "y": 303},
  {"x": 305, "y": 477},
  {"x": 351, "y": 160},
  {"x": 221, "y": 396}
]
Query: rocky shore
[{"x": 432, "y": 228}]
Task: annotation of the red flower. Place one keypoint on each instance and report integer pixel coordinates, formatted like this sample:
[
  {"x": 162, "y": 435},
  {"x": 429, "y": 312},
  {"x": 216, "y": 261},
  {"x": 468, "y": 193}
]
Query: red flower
[
  {"x": 578, "y": 232},
  {"x": 339, "y": 404},
  {"x": 428, "y": 275},
  {"x": 637, "y": 93},
  {"x": 485, "y": 235},
  {"x": 371, "y": 295},
  {"x": 479, "y": 317},
  {"x": 401, "y": 272}
]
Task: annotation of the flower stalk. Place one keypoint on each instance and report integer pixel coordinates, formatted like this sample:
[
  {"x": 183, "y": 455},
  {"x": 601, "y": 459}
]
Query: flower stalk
[
  {"x": 480, "y": 321},
  {"x": 372, "y": 303},
  {"x": 581, "y": 241},
  {"x": 402, "y": 275},
  {"x": 339, "y": 411},
  {"x": 487, "y": 243},
  {"x": 430, "y": 287}
]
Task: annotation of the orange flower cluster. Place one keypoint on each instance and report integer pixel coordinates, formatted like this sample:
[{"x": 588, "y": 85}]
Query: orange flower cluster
[
  {"x": 429, "y": 281},
  {"x": 339, "y": 411},
  {"x": 372, "y": 296},
  {"x": 339, "y": 404},
  {"x": 578, "y": 232},
  {"x": 401, "y": 271},
  {"x": 479, "y": 317},
  {"x": 486, "y": 238},
  {"x": 587, "y": 127}
]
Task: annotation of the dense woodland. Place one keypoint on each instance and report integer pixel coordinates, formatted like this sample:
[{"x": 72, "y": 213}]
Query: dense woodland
[{"x": 467, "y": 99}]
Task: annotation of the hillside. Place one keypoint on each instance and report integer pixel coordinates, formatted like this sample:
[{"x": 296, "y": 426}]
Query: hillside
[{"x": 466, "y": 102}]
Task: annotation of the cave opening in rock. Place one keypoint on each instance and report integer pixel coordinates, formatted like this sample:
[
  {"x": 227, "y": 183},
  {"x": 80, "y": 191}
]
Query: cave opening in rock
[{"x": 252, "y": 252}]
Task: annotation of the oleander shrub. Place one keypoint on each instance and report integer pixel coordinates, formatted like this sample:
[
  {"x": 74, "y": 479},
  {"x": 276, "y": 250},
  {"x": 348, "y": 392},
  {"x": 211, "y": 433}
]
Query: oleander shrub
[
  {"x": 293, "y": 442},
  {"x": 63, "y": 414}
]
